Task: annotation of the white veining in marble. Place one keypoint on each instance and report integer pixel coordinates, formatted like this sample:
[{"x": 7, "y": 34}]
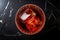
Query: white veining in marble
[{"x": 11, "y": 12}]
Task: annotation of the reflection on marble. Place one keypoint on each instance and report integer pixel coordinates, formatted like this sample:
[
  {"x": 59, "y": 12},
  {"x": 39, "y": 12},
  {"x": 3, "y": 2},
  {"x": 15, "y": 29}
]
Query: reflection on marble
[{"x": 1, "y": 21}]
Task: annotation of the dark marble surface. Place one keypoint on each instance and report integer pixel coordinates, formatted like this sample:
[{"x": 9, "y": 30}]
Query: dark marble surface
[{"x": 8, "y": 9}]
